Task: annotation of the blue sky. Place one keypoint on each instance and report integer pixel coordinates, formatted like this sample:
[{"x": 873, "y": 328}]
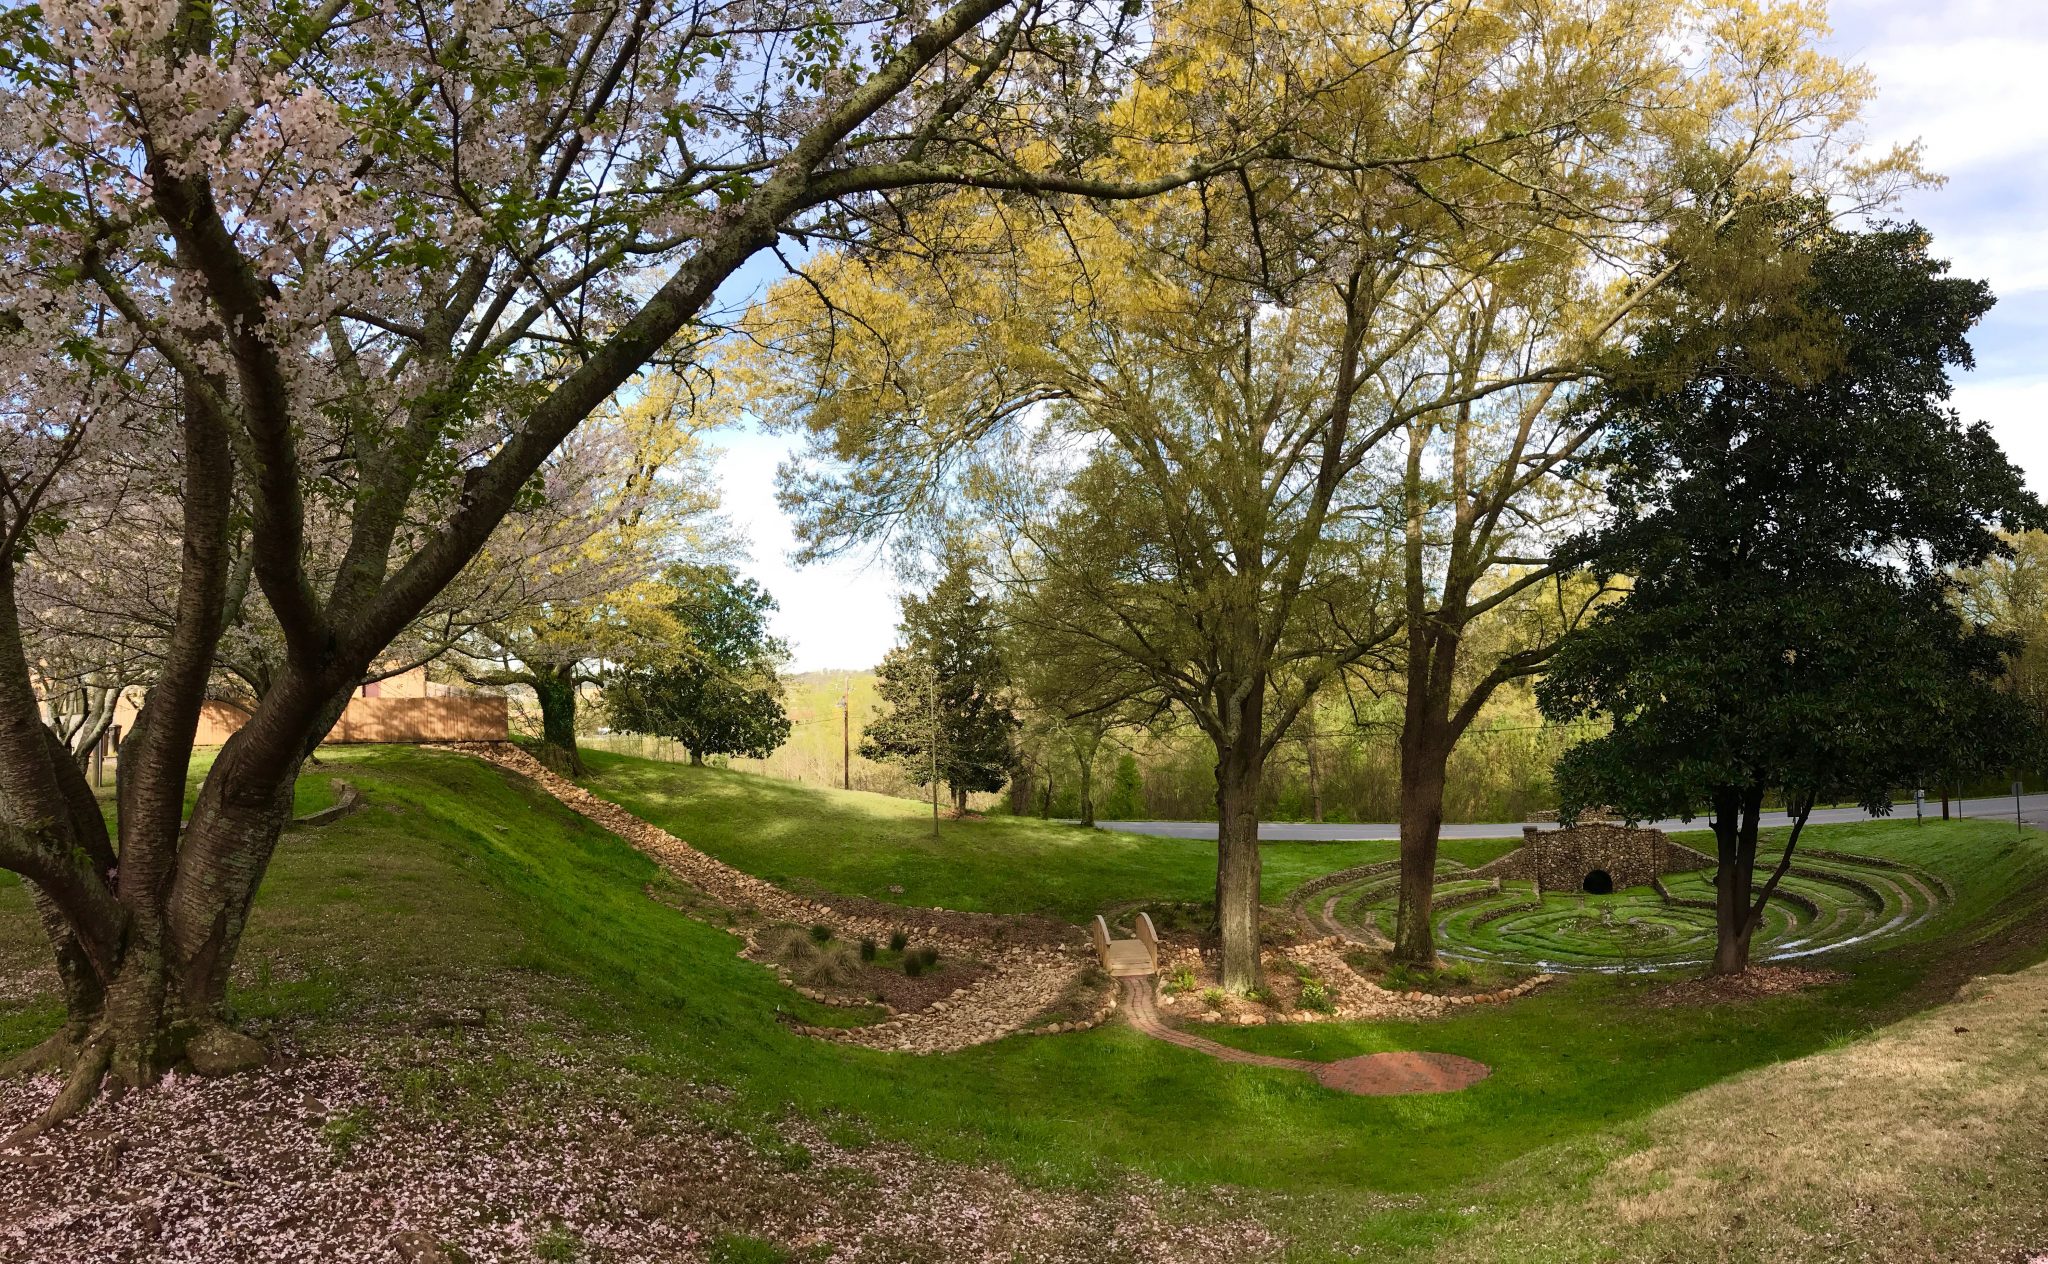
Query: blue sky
[{"x": 1969, "y": 78}]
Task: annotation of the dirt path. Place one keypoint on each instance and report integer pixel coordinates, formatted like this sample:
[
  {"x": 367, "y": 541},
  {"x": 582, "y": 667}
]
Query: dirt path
[{"x": 1369, "y": 1075}]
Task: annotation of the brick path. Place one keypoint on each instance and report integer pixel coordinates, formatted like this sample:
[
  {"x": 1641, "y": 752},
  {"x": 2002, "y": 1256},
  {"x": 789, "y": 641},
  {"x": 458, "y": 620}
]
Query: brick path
[{"x": 1368, "y": 1075}]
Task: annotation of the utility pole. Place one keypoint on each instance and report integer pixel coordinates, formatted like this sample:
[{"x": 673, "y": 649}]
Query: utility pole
[
  {"x": 846, "y": 731},
  {"x": 932, "y": 716}
]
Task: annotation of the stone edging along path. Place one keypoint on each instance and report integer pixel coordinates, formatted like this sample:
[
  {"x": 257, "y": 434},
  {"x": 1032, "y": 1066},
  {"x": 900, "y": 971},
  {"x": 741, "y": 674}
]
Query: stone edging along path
[{"x": 1026, "y": 977}]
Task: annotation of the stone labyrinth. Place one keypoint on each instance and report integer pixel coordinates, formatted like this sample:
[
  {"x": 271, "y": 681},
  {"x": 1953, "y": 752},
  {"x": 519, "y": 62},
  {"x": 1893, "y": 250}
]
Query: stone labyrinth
[{"x": 1828, "y": 900}]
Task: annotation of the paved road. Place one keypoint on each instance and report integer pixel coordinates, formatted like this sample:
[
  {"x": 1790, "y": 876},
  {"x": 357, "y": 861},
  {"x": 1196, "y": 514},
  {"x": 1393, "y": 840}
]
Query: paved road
[{"x": 2034, "y": 807}]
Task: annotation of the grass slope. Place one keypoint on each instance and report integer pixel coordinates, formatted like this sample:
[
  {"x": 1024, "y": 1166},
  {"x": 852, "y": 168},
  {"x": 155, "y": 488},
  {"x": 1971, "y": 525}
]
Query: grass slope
[
  {"x": 868, "y": 844},
  {"x": 458, "y": 876}
]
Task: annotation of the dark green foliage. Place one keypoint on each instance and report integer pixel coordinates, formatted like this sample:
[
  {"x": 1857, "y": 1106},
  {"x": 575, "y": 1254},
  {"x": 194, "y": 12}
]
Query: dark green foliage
[
  {"x": 1126, "y": 801},
  {"x": 1790, "y": 514},
  {"x": 821, "y": 933},
  {"x": 867, "y": 948},
  {"x": 897, "y": 940},
  {"x": 948, "y": 691},
  {"x": 723, "y": 694},
  {"x": 913, "y": 964}
]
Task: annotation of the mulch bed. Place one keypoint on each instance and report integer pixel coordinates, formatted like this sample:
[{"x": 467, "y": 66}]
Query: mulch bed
[
  {"x": 904, "y": 994},
  {"x": 1401, "y": 1073},
  {"x": 1755, "y": 982}
]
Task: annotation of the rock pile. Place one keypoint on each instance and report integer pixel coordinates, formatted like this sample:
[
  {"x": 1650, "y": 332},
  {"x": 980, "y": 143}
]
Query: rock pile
[
  {"x": 1023, "y": 983},
  {"x": 1356, "y": 998}
]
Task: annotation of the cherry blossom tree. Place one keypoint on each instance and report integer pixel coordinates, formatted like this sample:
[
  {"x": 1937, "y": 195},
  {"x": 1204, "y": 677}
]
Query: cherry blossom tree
[{"x": 350, "y": 271}]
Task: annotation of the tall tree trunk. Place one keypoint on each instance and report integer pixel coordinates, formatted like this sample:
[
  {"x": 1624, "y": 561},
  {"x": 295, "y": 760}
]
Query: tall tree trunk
[
  {"x": 1315, "y": 781},
  {"x": 1737, "y": 811},
  {"x": 696, "y": 758},
  {"x": 1087, "y": 774},
  {"x": 1240, "y": 769},
  {"x": 555, "y": 686},
  {"x": 1423, "y": 761},
  {"x": 959, "y": 800},
  {"x": 1427, "y": 736}
]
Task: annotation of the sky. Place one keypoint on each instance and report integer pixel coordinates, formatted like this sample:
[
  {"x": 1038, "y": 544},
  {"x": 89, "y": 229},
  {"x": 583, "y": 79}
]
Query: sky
[{"x": 1967, "y": 78}]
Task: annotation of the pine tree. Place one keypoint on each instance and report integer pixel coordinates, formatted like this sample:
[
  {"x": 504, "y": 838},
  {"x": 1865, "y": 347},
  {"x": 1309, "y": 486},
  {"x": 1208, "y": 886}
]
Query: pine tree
[{"x": 949, "y": 667}]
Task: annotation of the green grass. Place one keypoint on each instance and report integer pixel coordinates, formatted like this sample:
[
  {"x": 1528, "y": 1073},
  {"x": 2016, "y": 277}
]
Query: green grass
[
  {"x": 866, "y": 844},
  {"x": 456, "y": 872}
]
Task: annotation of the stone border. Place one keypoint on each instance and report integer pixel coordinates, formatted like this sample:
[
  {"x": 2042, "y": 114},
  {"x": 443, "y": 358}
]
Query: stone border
[{"x": 347, "y": 799}]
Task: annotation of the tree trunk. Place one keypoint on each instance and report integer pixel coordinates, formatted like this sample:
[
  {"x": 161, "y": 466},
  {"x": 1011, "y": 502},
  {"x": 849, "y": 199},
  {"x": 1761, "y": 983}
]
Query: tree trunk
[
  {"x": 1087, "y": 772},
  {"x": 1427, "y": 735},
  {"x": 556, "y": 689},
  {"x": 1423, "y": 763},
  {"x": 696, "y": 758},
  {"x": 1315, "y": 782},
  {"x": 1240, "y": 768},
  {"x": 959, "y": 800},
  {"x": 1737, "y": 811}
]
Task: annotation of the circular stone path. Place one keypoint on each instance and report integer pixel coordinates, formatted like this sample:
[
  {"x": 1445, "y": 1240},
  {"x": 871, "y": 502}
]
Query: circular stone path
[
  {"x": 1368, "y": 1075},
  {"x": 1829, "y": 901}
]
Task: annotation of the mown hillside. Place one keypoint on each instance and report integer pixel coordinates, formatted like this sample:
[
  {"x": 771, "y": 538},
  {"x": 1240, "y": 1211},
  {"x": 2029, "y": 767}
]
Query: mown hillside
[{"x": 480, "y": 941}]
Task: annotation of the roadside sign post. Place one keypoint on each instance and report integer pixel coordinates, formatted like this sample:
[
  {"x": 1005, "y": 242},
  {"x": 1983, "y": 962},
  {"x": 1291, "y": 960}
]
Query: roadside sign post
[
  {"x": 2018, "y": 823},
  {"x": 1919, "y": 806}
]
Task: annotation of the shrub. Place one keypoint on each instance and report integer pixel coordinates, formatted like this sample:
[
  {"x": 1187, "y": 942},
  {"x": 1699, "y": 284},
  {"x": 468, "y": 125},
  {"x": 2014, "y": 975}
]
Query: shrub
[
  {"x": 867, "y": 948},
  {"x": 1316, "y": 995},
  {"x": 898, "y": 940},
  {"x": 821, "y": 934},
  {"x": 1181, "y": 980},
  {"x": 913, "y": 964},
  {"x": 1213, "y": 997}
]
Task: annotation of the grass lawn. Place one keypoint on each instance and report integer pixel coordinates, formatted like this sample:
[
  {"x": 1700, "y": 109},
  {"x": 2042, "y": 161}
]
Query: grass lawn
[
  {"x": 866, "y": 844},
  {"x": 458, "y": 875}
]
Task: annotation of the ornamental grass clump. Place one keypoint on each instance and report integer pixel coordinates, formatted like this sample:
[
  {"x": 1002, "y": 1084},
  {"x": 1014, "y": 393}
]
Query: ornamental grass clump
[{"x": 815, "y": 963}]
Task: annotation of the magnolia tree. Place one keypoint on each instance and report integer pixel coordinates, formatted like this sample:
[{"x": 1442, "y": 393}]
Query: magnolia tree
[{"x": 361, "y": 269}]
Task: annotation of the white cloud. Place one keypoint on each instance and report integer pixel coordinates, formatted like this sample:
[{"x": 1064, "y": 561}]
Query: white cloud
[
  {"x": 834, "y": 614},
  {"x": 2016, "y": 407}
]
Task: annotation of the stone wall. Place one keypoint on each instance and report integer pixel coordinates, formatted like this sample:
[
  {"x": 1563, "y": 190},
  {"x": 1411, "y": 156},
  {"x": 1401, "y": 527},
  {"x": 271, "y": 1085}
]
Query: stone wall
[{"x": 1561, "y": 860}]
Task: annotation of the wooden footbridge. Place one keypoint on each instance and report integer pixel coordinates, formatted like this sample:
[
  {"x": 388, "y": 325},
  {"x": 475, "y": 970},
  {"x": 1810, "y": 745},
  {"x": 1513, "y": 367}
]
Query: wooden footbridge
[{"x": 1127, "y": 958}]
